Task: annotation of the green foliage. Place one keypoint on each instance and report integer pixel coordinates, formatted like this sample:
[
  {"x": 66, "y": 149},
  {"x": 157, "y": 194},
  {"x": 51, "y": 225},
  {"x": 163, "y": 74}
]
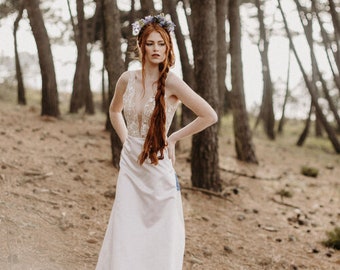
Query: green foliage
[
  {"x": 285, "y": 193},
  {"x": 309, "y": 171},
  {"x": 333, "y": 240}
]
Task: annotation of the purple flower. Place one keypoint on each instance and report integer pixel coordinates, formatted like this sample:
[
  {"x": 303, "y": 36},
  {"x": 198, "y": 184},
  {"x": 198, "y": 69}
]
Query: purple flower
[{"x": 160, "y": 19}]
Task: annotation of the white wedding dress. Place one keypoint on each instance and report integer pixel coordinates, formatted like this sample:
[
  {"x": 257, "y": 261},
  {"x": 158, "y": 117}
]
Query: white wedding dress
[{"x": 146, "y": 226}]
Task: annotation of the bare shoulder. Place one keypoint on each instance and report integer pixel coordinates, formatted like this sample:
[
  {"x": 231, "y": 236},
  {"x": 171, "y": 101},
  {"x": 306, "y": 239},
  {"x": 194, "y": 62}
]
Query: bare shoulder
[
  {"x": 173, "y": 79},
  {"x": 124, "y": 78},
  {"x": 174, "y": 83},
  {"x": 122, "y": 82}
]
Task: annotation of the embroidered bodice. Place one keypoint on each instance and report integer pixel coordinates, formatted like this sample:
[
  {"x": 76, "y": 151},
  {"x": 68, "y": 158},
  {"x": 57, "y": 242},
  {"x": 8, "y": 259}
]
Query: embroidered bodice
[{"x": 138, "y": 125}]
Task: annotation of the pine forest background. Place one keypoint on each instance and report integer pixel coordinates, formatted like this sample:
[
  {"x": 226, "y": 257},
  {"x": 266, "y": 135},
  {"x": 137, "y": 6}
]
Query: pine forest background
[{"x": 270, "y": 69}]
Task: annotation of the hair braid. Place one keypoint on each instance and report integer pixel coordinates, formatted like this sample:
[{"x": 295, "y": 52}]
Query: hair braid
[{"x": 155, "y": 140}]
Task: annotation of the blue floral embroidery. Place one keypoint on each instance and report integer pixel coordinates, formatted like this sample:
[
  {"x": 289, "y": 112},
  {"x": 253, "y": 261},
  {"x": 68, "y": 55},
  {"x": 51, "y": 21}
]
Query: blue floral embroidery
[{"x": 177, "y": 183}]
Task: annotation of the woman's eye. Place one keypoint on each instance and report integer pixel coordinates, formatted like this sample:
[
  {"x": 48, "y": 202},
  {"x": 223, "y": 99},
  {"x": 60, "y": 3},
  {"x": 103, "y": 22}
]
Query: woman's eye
[
  {"x": 161, "y": 44},
  {"x": 148, "y": 44}
]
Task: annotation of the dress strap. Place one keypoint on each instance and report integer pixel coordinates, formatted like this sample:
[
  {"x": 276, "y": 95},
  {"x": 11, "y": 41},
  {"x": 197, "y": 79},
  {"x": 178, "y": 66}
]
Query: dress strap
[
  {"x": 132, "y": 77},
  {"x": 130, "y": 85}
]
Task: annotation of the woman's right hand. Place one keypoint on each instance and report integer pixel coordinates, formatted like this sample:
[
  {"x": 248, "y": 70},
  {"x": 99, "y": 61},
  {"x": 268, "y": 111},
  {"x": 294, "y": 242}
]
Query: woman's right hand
[{"x": 171, "y": 150}]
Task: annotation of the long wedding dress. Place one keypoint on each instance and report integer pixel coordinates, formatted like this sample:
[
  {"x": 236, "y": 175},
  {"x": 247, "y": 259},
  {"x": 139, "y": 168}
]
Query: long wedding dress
[{"x": 146, "y": 226}]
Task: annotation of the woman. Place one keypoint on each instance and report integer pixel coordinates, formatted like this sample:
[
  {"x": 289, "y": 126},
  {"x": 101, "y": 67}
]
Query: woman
[{"x": 146, "y": 227}]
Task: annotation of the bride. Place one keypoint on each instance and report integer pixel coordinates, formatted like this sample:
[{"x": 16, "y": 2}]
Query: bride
[{"x": 146, "y": 226}]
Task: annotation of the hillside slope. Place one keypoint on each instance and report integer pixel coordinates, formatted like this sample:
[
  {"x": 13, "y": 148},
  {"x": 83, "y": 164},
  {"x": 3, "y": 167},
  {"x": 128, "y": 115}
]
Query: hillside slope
[{"x": 57, "y": 189}]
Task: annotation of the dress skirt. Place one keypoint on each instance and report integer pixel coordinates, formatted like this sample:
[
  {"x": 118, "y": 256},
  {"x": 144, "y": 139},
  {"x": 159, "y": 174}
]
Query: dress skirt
[{"x": 146, "y": 226}]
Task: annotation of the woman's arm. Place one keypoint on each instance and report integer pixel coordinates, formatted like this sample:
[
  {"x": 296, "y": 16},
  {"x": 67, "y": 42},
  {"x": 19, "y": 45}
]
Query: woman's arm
[
  {"x": 206, "y": 116},
  {"x": 116, "y": 107}
]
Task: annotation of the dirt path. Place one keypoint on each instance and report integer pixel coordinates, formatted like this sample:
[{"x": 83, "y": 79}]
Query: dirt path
[{"x": 57, "y": 189}]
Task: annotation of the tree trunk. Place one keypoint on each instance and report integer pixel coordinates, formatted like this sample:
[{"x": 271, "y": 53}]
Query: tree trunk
[
  {"x": 316, "y": 73},
  {"x": 221, "y": 16},
  {"x": 94, "y": 33},
  {"x": 21, "y": 87},
  {"x": 204, "y": 152},
  {"x": 148, "y": 7},
  {"x": 242, "y": 133},
  {"x": 329, "y": 99},
  {"x": 305, "y": 131},
  {"x": 89, "y": 105},
  {"x": 318, "y": 127},
  {"x": 104, "y": 106},
  {"x": 282, "y": 119},
  {"x": 169, "y": 6},
  {"x": 330, "y": 132},
  {"x": 49, "y": 102},
  {"x": 328, "y": 47},
  {"x": 266, "y": 110},
  {"x": 336, "y": 25},
  {"x": 187, "y": 114},
  {"x": 307, "y": 25},
  {"x": 104, "y": 103},
  {"x": 131, "y": 42},
  {"x": 81, "y": 94},
  {"x": 113, "y": 63},
  {"x": 186, "y": 6}
]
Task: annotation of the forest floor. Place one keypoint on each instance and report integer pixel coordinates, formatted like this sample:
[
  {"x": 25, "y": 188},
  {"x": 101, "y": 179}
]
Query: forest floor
[{"x": 57, "y": 187}]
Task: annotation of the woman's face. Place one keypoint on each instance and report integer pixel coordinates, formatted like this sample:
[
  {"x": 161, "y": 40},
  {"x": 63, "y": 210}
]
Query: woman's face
[{"x": 155, "y": 48}]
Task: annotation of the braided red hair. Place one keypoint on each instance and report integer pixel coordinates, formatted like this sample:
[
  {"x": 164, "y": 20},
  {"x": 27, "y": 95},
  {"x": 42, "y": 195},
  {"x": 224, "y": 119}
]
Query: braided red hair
[{"x": 155, "y": 141}]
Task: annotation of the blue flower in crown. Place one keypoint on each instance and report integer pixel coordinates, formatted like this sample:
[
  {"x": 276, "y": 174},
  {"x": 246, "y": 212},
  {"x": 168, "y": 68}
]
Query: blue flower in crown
[{"x": 160, "y": 19}]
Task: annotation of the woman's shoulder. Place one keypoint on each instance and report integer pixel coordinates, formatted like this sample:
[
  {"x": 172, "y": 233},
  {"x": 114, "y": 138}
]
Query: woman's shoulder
[
  {"x": 172, "y": 75},
  {"x": 123, "y": 81},
  {"x": 174, "y": 82},
  {"x": 135, "y": 73},
  {"x": 173, "y": 79},
  {"x": 126, "y": 76}
]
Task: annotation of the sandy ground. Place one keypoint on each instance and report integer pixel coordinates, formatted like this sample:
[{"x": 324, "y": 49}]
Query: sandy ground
[{"x": 57, "y": 188}]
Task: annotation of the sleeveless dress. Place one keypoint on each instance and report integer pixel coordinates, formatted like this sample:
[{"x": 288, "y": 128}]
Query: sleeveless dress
[{"x": 146, "y": 226}]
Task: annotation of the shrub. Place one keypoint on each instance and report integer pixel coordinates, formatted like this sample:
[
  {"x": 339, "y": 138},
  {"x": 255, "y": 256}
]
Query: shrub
[
  {"x": 309, "y": 171},
  {"x": 333, "y": 240},
  {"x": 284, "y": 193}
]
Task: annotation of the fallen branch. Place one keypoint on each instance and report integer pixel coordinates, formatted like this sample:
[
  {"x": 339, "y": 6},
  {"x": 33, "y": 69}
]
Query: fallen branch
[
  {"x": 252, "y": 175},
  {"x": 208, "y": 192},
  {"x": 285, "y": 204},
  {"x": 238, "y": 173},
  {"x": 9, "y": 165},
  {"x": 35, "y": 177},
  {"x": 32, "y": 173},
  {"x": 31, "y": 198}
]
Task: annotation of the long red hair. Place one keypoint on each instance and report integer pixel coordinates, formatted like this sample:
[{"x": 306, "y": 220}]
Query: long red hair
[{"x": 155, "y": 141}]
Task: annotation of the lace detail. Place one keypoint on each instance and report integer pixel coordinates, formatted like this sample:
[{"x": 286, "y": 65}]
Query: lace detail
[{"x": 138, "y": 124}]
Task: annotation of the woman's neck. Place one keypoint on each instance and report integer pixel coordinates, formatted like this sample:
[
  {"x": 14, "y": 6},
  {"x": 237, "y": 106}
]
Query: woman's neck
[{"x": 151, "y": 72}]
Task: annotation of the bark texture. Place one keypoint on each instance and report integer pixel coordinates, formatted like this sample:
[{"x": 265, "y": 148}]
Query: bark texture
[
  {"x": 311, "y": 88},
  {"x": 18, "y": 72},
  {"x": 204, "y": 155},
  {"x": 113, "y": 63},
  {"x": 81, "y": 94},
  {"x": 49, "y": 102},
  {"x": 266, "y": 110},
  {"x": 242, "y": 133}
]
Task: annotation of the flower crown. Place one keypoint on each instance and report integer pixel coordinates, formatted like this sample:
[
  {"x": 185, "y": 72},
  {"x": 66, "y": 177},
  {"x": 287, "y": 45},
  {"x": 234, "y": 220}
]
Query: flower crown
[{"x": 160, "y": 19}]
